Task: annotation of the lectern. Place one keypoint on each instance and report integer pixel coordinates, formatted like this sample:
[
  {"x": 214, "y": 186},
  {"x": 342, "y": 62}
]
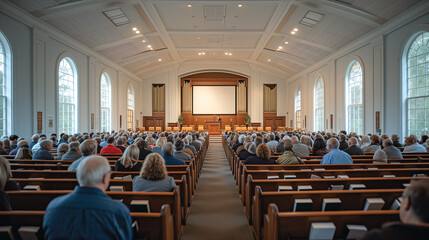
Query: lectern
[{"x": 214, "y": 127}]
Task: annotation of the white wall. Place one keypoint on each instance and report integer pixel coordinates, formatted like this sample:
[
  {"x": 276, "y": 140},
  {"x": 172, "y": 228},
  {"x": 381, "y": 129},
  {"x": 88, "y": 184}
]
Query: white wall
[{"x": 37, "y": 49}]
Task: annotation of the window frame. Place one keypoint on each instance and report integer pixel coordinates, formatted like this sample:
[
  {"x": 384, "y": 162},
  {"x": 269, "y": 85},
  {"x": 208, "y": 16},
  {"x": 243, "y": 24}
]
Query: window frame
[
  {"x": 8, "y": 76},
  {"x": 348, "y": 93},
  {"x": 298, "y": 94},
  {"x": 74, "y": 69},
  {"x": 315, "y": 107},
  {"x": 130, "y": 116},
  {"x": 105, "y": 76}
]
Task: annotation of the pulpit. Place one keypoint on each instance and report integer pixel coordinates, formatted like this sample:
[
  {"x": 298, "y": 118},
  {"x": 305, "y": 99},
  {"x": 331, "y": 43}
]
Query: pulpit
[{"x": 214, "y": 127}]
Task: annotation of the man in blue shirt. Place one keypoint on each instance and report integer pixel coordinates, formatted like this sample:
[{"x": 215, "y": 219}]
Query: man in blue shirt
[
  {"x": 167, "y": 150},
  {"x": 335, "y": 155},
  {"x": 88, "y": 213}
]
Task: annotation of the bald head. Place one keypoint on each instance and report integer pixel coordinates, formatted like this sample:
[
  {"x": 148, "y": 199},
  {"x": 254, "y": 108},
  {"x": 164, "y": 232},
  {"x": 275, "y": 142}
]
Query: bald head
[
  {"x": 294, "y": 139},
  {"x": 333, "y": 143},
  {"x": 352, "y": 141}
]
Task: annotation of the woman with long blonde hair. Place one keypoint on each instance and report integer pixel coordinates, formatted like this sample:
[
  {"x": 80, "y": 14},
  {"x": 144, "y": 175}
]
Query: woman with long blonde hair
[
  {"x": 153, "y": 176},
  {"x": 129, "y": 160}
]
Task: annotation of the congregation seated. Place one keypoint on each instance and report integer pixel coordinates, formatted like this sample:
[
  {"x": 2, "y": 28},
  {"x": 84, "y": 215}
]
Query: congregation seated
[
  {"x": 159, "y": 143},
  {"x": 6, "y": 146},
  {"x": 130, "y": 160},
  {"x": 144, "y": 148},
  {"x": 62, "y": 149},
  {"x": 335, "y": 155},
  {"x": 195, "y": 142},
  {"x": 24, "y": 153},
  {"x": 99, "y": 147},
  {"x": 64, "y": 138},
  {"x": 151, "y": 141},
  {"x": 2, "y": 151},
  {"x": 272, "y": 141},
  {"x": 34, "y": 140},
  {"x": 153, "y": 176},
  {"x": 187, "y": 146},
  {"x": 248, "y": 151},
  {"x": 288, "y": 156},
  {"x": 22, "y": 143},
  {"x": 412, "y": 146},
  {"x": 44, "y": 151},
  {"x": 353, "y": 149},
  {"x": 375, "y": 144},
  {"x": 280, "y": 147},
  {"x": 319, "y": 147},
  {"x": 13, "y": 141},
  {"x": 395, "y": 140},
  {"x": 36, "y": 147},
  {"x": 343, "y": 142},
  {"x": 299, "y": 148},
  {"x": 6, "y": 184},
  {"x": 413, "y": 213},
  {"x": 364, "y": 142},
  {"x": 87, "y": 148},
  {"x": 120, "y": 143},
  {"x": 88, "y": 211},
  {"x": 73, "y": 153},
  {"x": 390, "y": 150},
  {"x": 263, "y": 156},
  {"x": 110, "y": 147},
  {"x": 379, "y": 157},
  {"x": 179, "y": 154},
  {"x": 168, "y": 154}
]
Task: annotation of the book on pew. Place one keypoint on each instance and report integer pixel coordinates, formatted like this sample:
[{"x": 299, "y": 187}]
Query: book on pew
[
  {"x": 289, "y": 176},
  {"x": 140, "y": 206},
  {"x": 336, "y": 187},
  {"x": 319, "y": 169},
  {"x": 305, "y": 169},
  {"x": 389, "y": 176},
  {"x": 331, "y": 204},
  {"x": 357, "y": 186},
  {"x": 372, "y": 168},
  {"x": 313, "y": 176},
  {"x": 373, "y": 204},
  {"x": 118, "y": 178},
  {"x": 32, "y": 188},
  {"x": 406, "y": 185},
  {"x": 322, "y": 231},
  {"x": 301, "y": 205},
  {"x": 116, "y": 188},
  {"x": 6, "y": 233},
  {"x": 273, "y": 177},
  {"x": 355, "y": 231},
  {"x": 328, "y": 177},
  {"x": 29, "y": 233},
  {"x": 420, "y": 175},
  {"x": 342, "y": 176},
  {"x": 127, "y": 177},
  {"x": 284, "y": 188},
  {"x": 396, "y": 204},
  {"x": 305, "y": 188}
]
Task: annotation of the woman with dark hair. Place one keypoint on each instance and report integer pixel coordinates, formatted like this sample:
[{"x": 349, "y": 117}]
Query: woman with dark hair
[
  {"x": 423, "y": 140},
  {"x": 263, "y": 156},
  {"x": 319, "y": 147}
]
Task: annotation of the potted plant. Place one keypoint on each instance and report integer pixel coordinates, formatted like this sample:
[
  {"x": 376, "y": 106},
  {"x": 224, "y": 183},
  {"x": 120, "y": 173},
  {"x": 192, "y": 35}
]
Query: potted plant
[
  {"x": 247, "y": 120},
  {"x": 181, "y": 121}
]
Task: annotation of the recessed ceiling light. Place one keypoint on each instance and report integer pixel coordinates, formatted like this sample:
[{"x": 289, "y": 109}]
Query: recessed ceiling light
[
  {"x": 134, "y": 29},
  {"x": 226, "y": 53},
  {"x": 230, "y": 54},
  {"x": 269, "y": 60},
  {"x": 143, "y": 40},
  {"x": 159, "y": 60},
  {"x": 198, "y": 38},
  {"x": 189, "y": 5},
  {"x": 293, "y": 33},
  {"x": 295, "y": 29},
  {"x": 280, "y": 47},
  {"x": 239, "y": 5},
  {"x": 137, "y": 32},
  {"x": 149, "y": 46},
  {"x": 286, "y": 42}
]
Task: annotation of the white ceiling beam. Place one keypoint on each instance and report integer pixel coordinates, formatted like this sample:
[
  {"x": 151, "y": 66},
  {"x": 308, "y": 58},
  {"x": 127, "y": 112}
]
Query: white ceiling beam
[
  {"x": 275, "y": 70},
  {"x": 123, "y": 41},
  {"x": 179, "y": 31},
  {"x": 140, "y": 56},
  {"x": 344, "y": 10},
  {"x": 276, "y": 19},
  {"x": 290, "y": 38},
  {"x": 71, "y": 8},
  {"x": 289, "y": 57},
  {"x": 214, "y": 49},
  {"x": 156, "y": 21},
  {"x": 155, "y": 69}
]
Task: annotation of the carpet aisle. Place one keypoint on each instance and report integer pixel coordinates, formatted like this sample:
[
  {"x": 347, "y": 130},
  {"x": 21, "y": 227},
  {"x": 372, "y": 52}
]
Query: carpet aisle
[{"x": 216, "y": 212}]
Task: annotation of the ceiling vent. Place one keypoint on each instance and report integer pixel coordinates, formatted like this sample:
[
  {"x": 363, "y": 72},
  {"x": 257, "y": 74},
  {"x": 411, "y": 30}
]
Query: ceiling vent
[
  {"x": 214, "y": 13},
  {"x": 117, "y": 17},
  {"x": 311, "y": 18}
]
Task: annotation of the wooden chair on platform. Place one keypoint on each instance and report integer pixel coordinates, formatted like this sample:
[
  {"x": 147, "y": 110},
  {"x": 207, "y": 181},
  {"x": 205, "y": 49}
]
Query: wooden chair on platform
[
  {"x": 227, "y": 128},
  {"x": 250, "y": 129},
  {"x": 191, "y": 128},
  {"x": 238, "y": 129},
  {"x": 168, "y": 129},
  {"x": 260, "y": 129},
  {"x": 158, "y": 129},
  {"x": 243, "y": 129},
  {"x": 281, "y": 129},
  {"x": 151, "y": 129},
  {"x": 201, "y": 128},
  {"x": 268, "y": 129},
  {"x": 175, "y": 129}
]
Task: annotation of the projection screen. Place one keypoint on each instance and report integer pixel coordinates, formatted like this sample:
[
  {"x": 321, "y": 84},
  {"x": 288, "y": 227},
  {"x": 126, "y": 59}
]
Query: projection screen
[{"x": 213, "y": 100}]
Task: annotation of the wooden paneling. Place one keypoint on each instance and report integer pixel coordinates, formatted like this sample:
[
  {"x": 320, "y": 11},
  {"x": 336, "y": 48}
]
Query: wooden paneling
[
  {"x": 274, "y": 121},
  {"x": 157, "y": 120},
  {"x": 226, "y": 119}
]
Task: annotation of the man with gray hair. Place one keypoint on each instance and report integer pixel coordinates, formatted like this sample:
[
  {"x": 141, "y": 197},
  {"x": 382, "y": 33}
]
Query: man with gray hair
[
  {"x": 391, "y": 151},
  {"x": 87, "y": 148},
  {"x": 88, "y": 212},
  {"x": 168, "y": 151},
  {"x": 73, "y": 153},
  {"x": 34, "y": 140},
  {"x": 335, "y": 155},
  {"x": 353, "y": 149},
  {"x": 43, "y": 152},
  {"x": 298, "y": 148}
]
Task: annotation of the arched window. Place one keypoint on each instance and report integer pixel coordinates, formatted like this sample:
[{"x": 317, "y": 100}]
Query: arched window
[
  {"x": 319, "y": 105},
  {"x": 67, "y": 96},
  {"x": 298, "y": 109},
  {"x": 5, "y": 82},
  {"x": 354, "y": 98},
  {"x": 130, "y": 107},
  {"x": 105, "y": 102},
  {"x": 417, "y": 80}
]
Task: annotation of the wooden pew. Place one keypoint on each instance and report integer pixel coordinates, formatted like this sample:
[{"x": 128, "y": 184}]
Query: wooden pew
[
  {"x": 296, "y": 225},
  {"x": 350, "y": 200},
  {"x": 321, "y": 184},
  {"x": 41, "y": 199},
  {"x": 151, "y": 226}
]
